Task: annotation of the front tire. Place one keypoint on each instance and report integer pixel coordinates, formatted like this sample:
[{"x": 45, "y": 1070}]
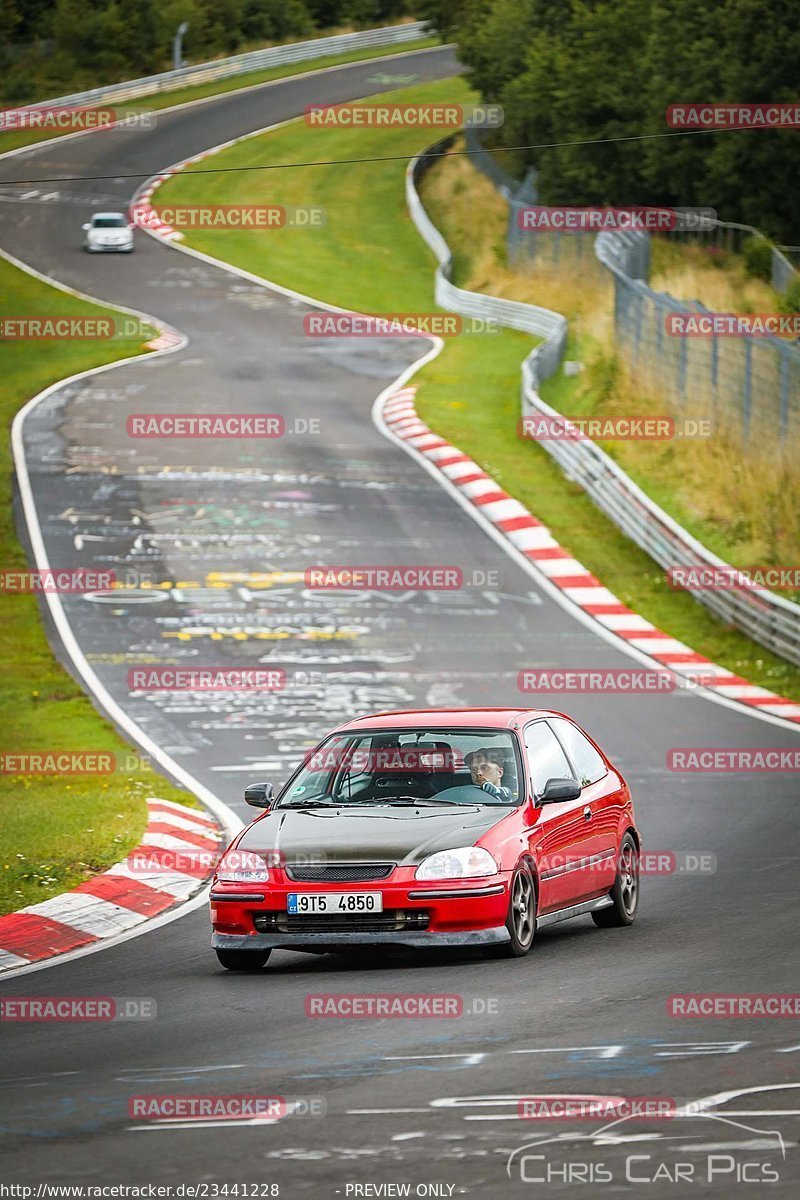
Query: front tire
[
  {"x": 521, "y": 919},
  {"x": 625, "y": 892},
  {"x": 248, "y": 961}
]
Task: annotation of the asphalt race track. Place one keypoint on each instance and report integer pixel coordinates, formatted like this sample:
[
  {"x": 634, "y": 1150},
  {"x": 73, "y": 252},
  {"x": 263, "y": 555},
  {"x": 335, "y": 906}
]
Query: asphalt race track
[{"x": 427, "y": 1102}]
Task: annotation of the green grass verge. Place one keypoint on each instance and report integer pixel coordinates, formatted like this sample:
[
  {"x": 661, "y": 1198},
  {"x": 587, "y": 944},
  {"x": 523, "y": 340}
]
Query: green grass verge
[
  {"x": 13, "y": 139},
  {"x": 56, "y": 831},
  {"x": 370, "y": 257}
]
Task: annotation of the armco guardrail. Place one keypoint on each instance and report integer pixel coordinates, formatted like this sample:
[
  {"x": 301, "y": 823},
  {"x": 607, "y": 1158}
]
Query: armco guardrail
[
  {"x": 511, "y": 313},
  {"x": 771, "y": 620},
  {"x": 241, "y": 64}
]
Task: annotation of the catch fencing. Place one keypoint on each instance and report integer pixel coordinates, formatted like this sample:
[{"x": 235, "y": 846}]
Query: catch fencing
[
  {"x": 770, "y": 619},
  {"x": 748, "y": 387}
]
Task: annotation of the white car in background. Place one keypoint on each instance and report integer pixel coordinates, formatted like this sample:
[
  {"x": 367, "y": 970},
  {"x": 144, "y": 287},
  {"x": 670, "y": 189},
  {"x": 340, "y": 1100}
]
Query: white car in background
[{"x": 108, "y": 231}]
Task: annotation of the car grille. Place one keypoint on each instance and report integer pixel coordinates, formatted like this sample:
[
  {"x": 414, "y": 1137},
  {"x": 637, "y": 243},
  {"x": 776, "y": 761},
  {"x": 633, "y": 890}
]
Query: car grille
[
  {"x": 339, "y": 872},
  {"x": 392, "y": 921}
]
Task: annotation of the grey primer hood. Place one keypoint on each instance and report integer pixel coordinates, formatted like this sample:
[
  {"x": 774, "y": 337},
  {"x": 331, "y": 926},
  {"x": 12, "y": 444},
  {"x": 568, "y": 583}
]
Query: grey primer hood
[{"x": 401, "y": 835}]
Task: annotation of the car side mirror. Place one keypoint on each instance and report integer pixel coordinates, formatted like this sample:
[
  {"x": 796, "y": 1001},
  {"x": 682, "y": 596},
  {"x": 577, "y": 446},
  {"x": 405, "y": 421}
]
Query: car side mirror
[
  {"x": 86, "y": 226},
  {"x": 556, "y": 791},
  {"x": 260, "y": 795}
]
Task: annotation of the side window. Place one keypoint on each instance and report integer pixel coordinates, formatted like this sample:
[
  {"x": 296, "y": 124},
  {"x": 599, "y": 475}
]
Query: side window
[
  {"x": 546, "y": 759},
  {"x": 589, "y": 766}
]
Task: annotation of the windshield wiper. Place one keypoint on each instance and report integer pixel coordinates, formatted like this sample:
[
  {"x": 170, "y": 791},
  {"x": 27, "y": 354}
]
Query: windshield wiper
[
  {"x": 308, "y": 804},
  {"x": 395, "y": 801},
  {"x": 404, "y": 801}
]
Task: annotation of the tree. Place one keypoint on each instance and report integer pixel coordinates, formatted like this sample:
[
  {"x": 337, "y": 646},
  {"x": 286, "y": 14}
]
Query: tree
[{"x": 599, "y": 71}]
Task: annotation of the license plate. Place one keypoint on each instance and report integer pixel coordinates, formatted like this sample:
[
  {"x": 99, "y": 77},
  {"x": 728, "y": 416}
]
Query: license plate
[{"x": 334, "y": 902}]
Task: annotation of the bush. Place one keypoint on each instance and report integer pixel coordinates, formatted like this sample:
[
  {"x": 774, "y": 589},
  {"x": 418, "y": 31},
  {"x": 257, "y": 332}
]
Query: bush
[
  {"x": 758, "y": 258},
  {"x": 790, "y": 300}
]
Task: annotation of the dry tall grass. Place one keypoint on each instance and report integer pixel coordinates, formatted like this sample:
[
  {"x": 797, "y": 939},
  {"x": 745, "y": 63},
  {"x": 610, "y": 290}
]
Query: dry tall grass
[{"x": 742, "y": 500}]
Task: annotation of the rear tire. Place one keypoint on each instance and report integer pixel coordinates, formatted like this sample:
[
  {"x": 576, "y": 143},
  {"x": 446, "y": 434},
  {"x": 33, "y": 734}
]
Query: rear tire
[
  {"x": 521, "y": 919},
  {"x": 625, "y": 892},
  {"x": 248, "y": 961}
]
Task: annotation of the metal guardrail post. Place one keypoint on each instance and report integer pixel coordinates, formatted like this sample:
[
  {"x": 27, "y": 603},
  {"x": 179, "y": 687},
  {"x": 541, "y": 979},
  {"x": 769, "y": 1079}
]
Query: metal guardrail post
[
  {"x": 784, "y": 393},
  {"x": 747, "y": 392}
]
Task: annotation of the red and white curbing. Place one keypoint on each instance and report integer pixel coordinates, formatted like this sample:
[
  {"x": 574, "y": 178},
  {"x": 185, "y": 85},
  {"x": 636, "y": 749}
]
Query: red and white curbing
[
  {"x": 121, "y": 897},
  {"x": 165, "y": 341},
  {"x": 536, "y": 543},
  {"x": 145, "y": 216},
  {"x": 142, "y": 212}
]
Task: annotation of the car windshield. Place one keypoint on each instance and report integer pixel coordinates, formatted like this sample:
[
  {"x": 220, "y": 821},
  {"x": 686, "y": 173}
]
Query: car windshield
[
  {"x": 409, "y": 766},
  {"x": 109, "y": 222}
]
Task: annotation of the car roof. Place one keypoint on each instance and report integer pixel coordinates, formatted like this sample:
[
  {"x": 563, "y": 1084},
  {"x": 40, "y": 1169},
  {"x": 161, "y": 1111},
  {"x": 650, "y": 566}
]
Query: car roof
[
  {"x": 460, "y": 718},
  {"x": 107, "y": 214}
]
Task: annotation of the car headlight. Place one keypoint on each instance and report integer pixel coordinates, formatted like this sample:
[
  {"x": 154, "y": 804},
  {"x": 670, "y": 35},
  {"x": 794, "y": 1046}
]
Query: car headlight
[
  {"x": 468, "y": 862},
  {"x": 242, "y": 866}
]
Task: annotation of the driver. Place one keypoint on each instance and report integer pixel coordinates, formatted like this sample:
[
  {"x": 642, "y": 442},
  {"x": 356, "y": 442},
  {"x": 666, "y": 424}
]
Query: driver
[{"x": 486, "y": 769}]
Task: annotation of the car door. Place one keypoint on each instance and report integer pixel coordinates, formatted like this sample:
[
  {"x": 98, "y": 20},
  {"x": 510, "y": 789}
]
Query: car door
[
  {"x": 560, "y": 838},
  {"x": 603, "y": 796}
]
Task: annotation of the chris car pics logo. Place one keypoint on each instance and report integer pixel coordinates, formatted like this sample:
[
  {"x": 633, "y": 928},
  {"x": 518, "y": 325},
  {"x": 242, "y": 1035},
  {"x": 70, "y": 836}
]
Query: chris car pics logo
[{"x": 702, "y": 1148}]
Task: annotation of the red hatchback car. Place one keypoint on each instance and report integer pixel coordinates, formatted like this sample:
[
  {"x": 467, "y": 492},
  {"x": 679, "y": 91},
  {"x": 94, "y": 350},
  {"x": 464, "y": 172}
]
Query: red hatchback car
[{"x": 431, "y": 828}]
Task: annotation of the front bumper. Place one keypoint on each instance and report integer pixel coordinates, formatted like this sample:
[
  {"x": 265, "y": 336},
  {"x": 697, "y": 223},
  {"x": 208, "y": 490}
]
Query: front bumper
[
  {"x": 116, "y": 248},
  {"x": 441, "y": 913},
  {"x": 296, "y": 941}
]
